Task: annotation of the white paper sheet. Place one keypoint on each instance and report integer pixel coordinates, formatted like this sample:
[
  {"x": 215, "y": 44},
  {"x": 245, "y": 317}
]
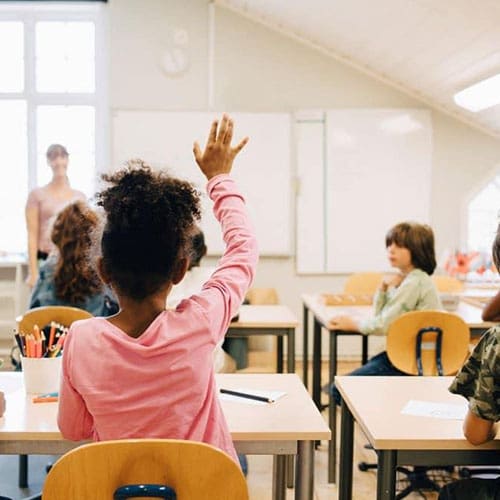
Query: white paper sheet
[
  {"x": 274, "y": 395},
  {"x": 444, "y": 411}
]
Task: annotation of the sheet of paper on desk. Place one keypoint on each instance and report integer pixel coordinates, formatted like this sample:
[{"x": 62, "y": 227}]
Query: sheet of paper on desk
[
  {"x": 445, "y": 411},
  {"x": 274, "y": 395}
]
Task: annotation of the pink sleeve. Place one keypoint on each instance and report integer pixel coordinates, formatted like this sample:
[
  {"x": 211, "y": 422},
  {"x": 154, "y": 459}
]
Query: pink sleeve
[
  {"x": 33, "y": 199},
  {"x": 223, "y": 293},
  {"x": 73, "y": 418}
]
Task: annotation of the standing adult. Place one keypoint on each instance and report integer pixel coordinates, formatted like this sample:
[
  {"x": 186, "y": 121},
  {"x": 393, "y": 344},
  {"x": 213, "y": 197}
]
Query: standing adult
[{"x": 43, "y": 204}]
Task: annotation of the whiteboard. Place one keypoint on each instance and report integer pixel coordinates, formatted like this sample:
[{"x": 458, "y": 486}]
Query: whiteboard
[
  {"x": 377, "y": 169},
  {"x": 262, "y": 170}
]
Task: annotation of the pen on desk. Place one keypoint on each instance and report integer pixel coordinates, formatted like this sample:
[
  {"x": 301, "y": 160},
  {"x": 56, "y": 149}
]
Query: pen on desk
[{"x": 247, "y": 396}]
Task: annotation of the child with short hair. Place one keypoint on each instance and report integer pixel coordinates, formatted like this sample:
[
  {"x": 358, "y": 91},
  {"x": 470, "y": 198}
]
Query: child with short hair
[
  {"x": 410, "y": 249},
  {"x": 148, "y": 372}
]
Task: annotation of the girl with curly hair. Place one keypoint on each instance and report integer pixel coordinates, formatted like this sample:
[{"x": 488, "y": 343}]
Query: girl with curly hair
[
  {"x": 156, "y": 378},
  {"x": 68, "y": 277}
]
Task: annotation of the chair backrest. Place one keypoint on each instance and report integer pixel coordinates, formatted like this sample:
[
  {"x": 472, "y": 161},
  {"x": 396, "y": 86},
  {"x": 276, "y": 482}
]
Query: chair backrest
[
  {"x": 42, "y": 316},
  {"x": 193, "y": 470},
  {"x": 444, "y": 343},
  {"x": 263, "y": 296},
  {"x": 363, "y": 283},
  {"x": 447, "y": 284}
]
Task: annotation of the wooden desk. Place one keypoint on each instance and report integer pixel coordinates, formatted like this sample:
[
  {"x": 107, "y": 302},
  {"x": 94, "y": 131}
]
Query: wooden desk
[
  {"x": 288, "y": 427},
  {"x": 268, "y": 320},
  {"x": 403, "y": 439},
  {"x": 321, "y": 320}
]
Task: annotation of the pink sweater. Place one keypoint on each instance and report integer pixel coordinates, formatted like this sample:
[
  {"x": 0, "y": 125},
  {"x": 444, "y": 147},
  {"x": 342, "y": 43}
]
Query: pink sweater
[{"x": 162, "y": 385}]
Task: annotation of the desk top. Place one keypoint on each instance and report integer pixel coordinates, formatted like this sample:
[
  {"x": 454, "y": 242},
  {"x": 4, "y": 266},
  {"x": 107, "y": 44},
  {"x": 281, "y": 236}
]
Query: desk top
[
  {"x": 470, "y": 313},
  {"x": 291, "y": 418},
  {"x": 376, "y": 403},
  {"x": 265, "y": 317}
]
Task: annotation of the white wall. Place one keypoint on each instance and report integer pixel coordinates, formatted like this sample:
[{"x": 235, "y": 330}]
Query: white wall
[{"x": 257, "y": 69}]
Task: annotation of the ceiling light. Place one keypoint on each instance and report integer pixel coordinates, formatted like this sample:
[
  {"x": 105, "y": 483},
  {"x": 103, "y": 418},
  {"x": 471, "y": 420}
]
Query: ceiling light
[{"x": 481, "y": 95}]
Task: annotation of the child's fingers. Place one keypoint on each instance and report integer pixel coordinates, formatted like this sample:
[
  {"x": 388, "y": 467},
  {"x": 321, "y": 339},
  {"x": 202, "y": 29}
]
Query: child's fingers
[
  {"x": 240, "y": 146},
  {"x": 197, "y": 152},
  {"x": 223, "y": 128},
  {"x": 212, "y": 136},
  {"x": 229, "y": 134}
]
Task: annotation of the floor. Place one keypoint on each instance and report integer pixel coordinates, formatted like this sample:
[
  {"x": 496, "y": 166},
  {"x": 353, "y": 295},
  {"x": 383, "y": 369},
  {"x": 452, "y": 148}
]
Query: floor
[{"x": 260, "y": 467}]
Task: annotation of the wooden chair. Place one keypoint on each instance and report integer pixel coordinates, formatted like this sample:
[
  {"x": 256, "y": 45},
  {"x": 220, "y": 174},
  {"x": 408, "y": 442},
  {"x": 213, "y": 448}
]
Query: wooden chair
[
  {"x": 434, "y": 357},
  {"x": 447, "y": 284},
  {"x": 363, "y": 283},
  {"x": 425, "y": 343},
  {"x": 103, "y": 470},
  {"x": 42, "y": 316},
  {"x": 261, "y": 297}
]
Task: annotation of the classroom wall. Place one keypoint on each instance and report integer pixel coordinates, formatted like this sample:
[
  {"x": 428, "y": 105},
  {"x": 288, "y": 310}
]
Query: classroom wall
[{"x": 257, "y": 69}]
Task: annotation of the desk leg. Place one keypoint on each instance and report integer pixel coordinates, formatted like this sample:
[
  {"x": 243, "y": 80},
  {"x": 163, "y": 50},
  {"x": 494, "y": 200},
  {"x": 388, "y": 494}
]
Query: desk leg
[
  {"x": 290, "y": 471},
  {"x": 304, "y": 487},
  {"x": 305, "y": 345},
  {"x": 279, "y": 470},
  {"x": 316, "y": 379},
  {"x": 23, "y": 471},
  {"x": 290, "y": 346},
  {"x": 279, "y": 354},
  {"x": 346, "y": 453},
  {"x": 386, "y": 475},
  {"x": 364, "y": 349},
  {"x": 332, "y": 411}
]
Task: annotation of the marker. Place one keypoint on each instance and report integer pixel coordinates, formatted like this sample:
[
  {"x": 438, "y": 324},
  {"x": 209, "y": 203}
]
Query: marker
[
  {"x": 51, "y": 334},
  {"x": 36, "y": 331},
  {"x": 49, "y": 399},
  {"x": 247, "y": 396}
]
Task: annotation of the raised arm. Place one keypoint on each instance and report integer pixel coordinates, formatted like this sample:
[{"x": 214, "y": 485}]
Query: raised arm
[{"x": 224, "y": 292}]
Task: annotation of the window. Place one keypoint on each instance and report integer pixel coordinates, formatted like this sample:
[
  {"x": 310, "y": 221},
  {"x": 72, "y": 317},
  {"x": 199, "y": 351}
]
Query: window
[
  {"x": 52, "y": 90},
  {"x": 483, "y": 213}
]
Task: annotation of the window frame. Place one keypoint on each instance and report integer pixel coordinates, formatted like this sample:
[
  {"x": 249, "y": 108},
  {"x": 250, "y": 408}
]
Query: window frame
[
  {"x": 32, "y": 12},
  {"x": 479, "y": 186}
]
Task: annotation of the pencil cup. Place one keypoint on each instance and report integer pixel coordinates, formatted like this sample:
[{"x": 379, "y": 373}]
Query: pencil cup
[{"x": 41, "y": 375}]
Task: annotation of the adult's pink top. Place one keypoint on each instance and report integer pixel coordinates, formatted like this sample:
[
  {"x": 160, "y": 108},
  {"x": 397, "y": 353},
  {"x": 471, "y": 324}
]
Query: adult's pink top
[{"x": 48, "y": 208}]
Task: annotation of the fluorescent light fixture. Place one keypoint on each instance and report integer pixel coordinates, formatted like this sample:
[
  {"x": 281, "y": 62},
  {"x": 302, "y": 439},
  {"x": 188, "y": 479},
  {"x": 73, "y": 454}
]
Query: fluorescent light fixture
[{"x": 481, "y": 95}]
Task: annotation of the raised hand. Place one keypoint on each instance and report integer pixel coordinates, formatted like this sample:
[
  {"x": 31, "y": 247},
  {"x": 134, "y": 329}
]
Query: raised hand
[{"x": 218, "y": 156}]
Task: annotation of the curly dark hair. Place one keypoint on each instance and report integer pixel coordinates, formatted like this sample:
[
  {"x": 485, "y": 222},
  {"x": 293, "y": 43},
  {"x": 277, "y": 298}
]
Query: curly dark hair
[
  {"x": 149, "y": 219},
  {"x": 75, "y": 277},
  {"x": 496, "y": 249},
  {"x": 418, "y": 239},
  {"x": 198, "y": 248}
]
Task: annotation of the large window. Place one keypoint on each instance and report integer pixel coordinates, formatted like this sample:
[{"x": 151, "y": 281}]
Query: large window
[
  {"x": 483, "y": 216},
  {"x": 52, "y": 90}
]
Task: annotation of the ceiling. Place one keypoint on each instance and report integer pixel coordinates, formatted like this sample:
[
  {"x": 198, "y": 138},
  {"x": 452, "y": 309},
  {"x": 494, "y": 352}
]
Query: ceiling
[{"x": 430, "y": 49}]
